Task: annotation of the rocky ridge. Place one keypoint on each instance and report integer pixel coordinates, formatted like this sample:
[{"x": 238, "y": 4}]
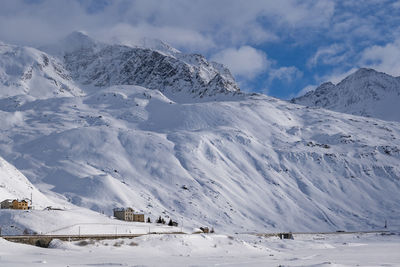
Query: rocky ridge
[
  {"x": 182, "y": 77},
  {"x": 366, "y": 93}
]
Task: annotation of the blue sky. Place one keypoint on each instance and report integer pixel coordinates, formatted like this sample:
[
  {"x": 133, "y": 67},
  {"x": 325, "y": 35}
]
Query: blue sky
[{"x": 281, "y": 48}]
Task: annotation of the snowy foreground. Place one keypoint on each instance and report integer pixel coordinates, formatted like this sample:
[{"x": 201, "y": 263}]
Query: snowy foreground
[{"x": 212, "y": 250}]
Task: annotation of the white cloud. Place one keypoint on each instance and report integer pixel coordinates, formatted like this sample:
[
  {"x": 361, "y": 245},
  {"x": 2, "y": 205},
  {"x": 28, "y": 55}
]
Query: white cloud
[
  {"x": 42, "y": 22},
  {"x": 396, "y": 4},
  {"x": 287, "y": 74},
  {"x": 298, "y": 14},
  {"x": 226, "y": 23},
  {"x": 234, "y": 22},
  {"x": 246, "y": 61},
  {"x": 178, "y": 37},
  {"x": 383, "y": 58},
  {"x": 332, "y": 55}
]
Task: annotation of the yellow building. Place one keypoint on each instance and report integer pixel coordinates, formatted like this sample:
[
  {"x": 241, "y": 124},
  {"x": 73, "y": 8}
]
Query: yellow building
[
  {"x": 19, "y": 205},
  {"x": 138, "y": 217}
]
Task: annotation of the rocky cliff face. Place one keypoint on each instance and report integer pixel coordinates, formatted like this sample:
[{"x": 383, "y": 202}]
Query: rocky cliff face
[
  {"x": 366, "y": 93},
  {"x": 180, "y": 76}
]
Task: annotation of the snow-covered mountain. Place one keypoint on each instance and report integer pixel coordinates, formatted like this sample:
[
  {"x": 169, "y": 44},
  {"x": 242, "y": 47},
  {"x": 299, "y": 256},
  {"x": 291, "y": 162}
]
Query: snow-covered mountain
[
  {"x": 180, "y": 76},
  {"x": 366, "y": 93},
  {"x": 28, "y": 71},
  {"x": 242, "y": 163}
]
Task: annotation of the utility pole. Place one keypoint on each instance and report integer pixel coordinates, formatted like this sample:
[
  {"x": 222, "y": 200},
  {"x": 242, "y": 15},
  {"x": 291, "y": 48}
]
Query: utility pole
[{"x": 182, "y": 225}]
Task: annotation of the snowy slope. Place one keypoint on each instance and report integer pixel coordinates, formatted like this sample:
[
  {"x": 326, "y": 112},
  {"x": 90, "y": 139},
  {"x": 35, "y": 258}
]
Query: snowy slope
[
  {"x": 25, "y": 70},
  {"x": 256, "y": 163},
  {"x": 234, "y": 161},
  {"x": 68, "y": 220},
  {"x": 14, "y": 185},
  {"x": 366, "y": 93}
]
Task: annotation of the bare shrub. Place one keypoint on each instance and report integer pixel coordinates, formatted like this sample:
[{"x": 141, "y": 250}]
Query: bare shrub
[
  {"x": 118, "y": 243},
  {"x": 133, "y": 244},
  {"x": 83, "y": 243}
]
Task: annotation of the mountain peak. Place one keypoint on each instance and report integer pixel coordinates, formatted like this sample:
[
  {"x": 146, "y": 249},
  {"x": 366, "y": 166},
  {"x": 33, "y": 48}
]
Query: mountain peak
[
  {"x": 155, "y": 65},
  {"x": 363, "y": 72},
  {"x": 79, "y": 37},
  {"x": 325, "y": 85},
  {"x": 365, "y": 92},
  {"x": 75, "y": 41},
  {"x": 157, "y": 44}
]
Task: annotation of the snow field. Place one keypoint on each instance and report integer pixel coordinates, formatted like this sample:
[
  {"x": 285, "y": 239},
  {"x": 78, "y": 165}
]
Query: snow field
[
  {"x": 211, "y": 250},
  {"x": 74, "y": 222},
  {"x": 255, "y": 164}
]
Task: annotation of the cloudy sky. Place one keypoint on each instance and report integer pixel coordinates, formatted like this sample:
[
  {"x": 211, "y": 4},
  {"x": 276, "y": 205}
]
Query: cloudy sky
[{"x": 281, "y": 48}]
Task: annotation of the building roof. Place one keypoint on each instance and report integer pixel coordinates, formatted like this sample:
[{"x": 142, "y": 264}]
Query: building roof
[
  {"x": 129, "y": 209},
  {"x": 123, "y": 209},
  {"x": 23, "y": 200}
]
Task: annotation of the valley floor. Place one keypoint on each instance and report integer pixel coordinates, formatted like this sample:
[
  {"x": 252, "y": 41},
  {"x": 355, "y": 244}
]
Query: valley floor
[{"x": 212, "y": 250}]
